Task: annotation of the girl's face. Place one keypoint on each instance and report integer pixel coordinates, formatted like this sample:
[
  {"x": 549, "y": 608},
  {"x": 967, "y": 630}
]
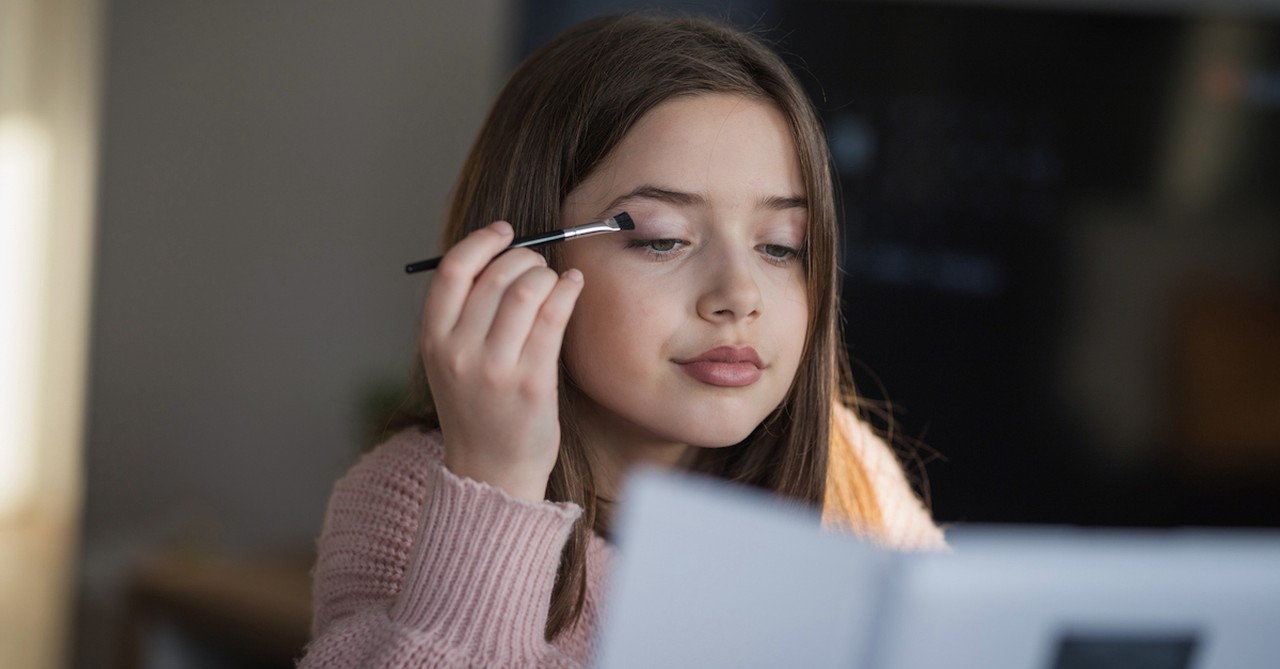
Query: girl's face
[{"x": 689, "y": 329}]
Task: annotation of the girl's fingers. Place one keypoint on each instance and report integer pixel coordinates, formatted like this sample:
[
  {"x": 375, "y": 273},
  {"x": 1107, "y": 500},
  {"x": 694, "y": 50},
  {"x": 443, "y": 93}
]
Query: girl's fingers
[
  {"x": 542, "y": 348},
  {"x": 457, "y": 274},
  {"x": 488, "y": 292},
  {"x": 517, "y": 310}
]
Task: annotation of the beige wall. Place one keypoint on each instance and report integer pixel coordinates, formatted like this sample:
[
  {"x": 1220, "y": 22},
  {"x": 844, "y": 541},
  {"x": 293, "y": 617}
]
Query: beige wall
[{"x": 267, "y": 169}]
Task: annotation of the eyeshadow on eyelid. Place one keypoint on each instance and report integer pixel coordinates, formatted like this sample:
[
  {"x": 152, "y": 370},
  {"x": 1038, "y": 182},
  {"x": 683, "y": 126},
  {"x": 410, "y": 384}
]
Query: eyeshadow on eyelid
[{"x": 649, "y": 224}]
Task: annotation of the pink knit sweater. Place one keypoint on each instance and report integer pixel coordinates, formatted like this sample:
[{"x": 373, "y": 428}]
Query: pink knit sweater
[{"x": 418, "y": 567}]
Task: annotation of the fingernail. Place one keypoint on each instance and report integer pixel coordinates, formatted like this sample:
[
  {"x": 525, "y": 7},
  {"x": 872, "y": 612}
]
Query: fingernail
[
  {"x": 501, "y": 227},
  {"x": 573, "y": 275}
]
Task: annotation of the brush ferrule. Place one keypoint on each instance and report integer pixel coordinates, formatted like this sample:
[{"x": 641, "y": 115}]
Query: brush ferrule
[{"x": 607, "y": 225}]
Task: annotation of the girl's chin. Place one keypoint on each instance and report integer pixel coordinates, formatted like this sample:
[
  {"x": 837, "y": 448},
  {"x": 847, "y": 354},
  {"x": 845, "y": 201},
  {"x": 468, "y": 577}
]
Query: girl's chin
[
  {"x": 716, "y": 438},
  {"x": 698, "y": 426}
]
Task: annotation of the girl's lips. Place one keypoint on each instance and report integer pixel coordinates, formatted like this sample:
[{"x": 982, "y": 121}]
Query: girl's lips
[
  {"x": 726, "y": 374},
  {"x": 725, "y": 366}
]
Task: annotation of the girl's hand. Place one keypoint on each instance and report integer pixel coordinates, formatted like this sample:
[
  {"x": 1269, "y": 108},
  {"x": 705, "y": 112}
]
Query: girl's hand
[{"x": 491, "y": 335}]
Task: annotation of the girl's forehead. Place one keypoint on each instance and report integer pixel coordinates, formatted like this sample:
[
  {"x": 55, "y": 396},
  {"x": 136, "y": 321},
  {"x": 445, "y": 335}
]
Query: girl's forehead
[
  {"x": 724, "y": 145},
  {"x": 704, "y": 118}
]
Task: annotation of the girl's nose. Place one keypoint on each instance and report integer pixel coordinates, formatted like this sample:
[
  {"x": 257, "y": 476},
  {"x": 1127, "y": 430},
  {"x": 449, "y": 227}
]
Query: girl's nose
[{"x": 730, "y": 291}]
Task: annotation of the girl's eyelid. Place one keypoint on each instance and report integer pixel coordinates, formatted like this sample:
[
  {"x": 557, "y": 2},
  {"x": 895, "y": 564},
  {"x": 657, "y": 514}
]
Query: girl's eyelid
[
  {"x": 648, "y": 220},
  {"x": 791, "y": 244},
  {"x": 658, "y": 230},
  {"x": 793, "y": 241},
  {"x": 637, "y": 241},
  {"x": 785, "y": 233}
]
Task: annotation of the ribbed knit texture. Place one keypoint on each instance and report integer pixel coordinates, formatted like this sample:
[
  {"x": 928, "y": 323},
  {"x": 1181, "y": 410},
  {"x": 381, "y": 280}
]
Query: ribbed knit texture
[{"x": 418, "y": 567}]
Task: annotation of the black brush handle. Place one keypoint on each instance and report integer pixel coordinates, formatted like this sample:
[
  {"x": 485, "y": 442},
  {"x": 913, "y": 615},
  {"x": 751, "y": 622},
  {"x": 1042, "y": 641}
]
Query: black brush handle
[{"x": 523, "y": 242}]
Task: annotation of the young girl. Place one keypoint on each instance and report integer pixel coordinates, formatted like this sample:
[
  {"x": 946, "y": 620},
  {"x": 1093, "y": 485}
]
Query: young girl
[{"x": 706, "y": 339}]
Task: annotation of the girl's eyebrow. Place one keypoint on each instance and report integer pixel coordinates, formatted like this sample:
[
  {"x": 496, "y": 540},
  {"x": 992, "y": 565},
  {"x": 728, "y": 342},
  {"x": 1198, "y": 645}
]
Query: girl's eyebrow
[
  {"x": 667, "y": 195},
  {"x": 686, "y": 199},
  {"x": 780, "y": 203}
]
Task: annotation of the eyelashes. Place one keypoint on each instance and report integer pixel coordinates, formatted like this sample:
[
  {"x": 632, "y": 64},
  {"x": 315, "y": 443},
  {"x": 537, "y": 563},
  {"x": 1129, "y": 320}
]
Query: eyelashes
[
  {"x": 666, "y": 248},
  {"x": 657, "y": 248},
  {"x": 779, "y": 254}
]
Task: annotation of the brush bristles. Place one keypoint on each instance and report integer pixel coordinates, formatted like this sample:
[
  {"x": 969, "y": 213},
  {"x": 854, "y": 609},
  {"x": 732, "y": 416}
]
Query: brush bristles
[{"x": 624, "y": 221}]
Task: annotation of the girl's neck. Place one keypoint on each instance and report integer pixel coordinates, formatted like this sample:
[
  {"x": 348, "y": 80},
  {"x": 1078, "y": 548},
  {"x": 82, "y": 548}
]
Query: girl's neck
[{"x": 615, "y": 452}]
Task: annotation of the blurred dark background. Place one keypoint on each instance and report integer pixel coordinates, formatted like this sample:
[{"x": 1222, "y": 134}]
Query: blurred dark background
[
  {"x": 1061, "y": 262},
  {"x": 1062, "y": 251},
  {"x": 1061, "y": 245}
]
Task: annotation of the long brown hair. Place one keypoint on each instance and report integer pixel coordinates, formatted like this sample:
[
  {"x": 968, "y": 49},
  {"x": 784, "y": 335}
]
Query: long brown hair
[{"x": 562, "y": 112}]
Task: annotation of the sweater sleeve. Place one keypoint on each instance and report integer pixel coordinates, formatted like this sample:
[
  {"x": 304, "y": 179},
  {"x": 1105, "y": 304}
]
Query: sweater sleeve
[
  {"x": 417, "y": 567},
  {"x": 908, "y": 525}
]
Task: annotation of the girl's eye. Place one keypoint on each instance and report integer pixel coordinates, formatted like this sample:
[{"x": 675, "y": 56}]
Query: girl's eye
[
  {"x": 662, "y": 244},
  {"x": 779, "y": 253},
  {"x": 657, "y": 247}
]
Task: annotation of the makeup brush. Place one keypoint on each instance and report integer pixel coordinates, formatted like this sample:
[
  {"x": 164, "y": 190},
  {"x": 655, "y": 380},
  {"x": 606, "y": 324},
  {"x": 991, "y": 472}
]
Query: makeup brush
[{"x": 615, "y": 224}]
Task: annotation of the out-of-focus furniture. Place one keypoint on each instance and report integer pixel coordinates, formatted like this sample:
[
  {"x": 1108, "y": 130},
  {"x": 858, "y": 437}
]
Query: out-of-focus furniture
[
  {"x": 1225, "y": 364},
  {"x": 257, "y": 611}
]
